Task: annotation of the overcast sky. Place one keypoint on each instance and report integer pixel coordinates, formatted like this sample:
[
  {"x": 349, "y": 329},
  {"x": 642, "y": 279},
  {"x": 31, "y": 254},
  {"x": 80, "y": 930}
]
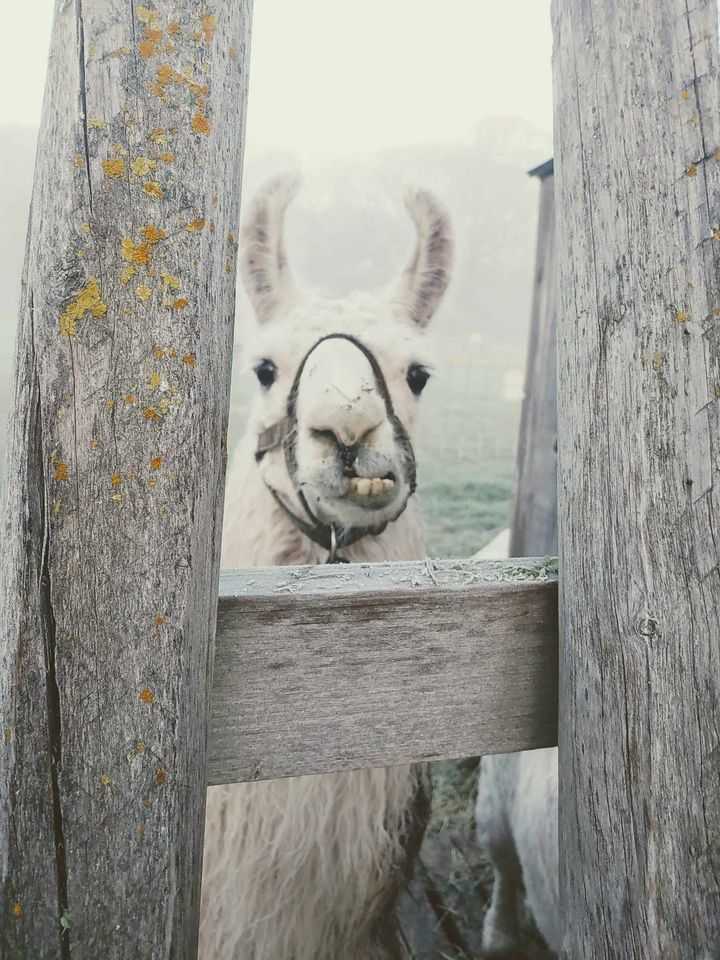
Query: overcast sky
[{"x": 332, "y": 77}]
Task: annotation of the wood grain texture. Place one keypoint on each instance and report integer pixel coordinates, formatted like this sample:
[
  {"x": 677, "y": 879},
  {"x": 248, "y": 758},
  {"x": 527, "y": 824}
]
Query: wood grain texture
[
  {"x": 115, "y": 466},
  {"x": 637, "y": 176},
  {"x": 337, "y": 668},
  {"x": 534, "y": 513}
]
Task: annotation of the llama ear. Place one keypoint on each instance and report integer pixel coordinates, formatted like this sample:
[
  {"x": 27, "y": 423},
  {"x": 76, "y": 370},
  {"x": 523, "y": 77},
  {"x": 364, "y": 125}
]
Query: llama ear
[
  {"x": 262, "y": 248},
  {"x": 426, "y": 276}
]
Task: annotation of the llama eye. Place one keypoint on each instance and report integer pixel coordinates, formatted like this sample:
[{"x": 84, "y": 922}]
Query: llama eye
[
  {"x": 266, "y": 372},
  {"x": 417, "y": 377}
]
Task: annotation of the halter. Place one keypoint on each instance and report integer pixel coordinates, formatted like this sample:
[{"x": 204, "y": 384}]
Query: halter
[{"x": 284, "y": 434}]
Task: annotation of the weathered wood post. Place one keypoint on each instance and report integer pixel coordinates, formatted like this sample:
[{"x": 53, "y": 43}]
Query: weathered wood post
[
  {"x": 533, "y": 526},
  {"x": 637, "y": 170},
  {"x": 115, "y": 470}
]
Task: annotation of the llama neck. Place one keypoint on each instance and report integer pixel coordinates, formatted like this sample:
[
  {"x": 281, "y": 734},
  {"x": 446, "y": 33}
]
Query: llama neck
[{"x": 258, "y": 533}]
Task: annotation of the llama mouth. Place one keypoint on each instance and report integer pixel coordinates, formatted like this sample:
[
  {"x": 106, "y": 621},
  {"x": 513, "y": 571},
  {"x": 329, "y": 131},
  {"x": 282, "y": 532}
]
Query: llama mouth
[{"x": 371, "y": 492}]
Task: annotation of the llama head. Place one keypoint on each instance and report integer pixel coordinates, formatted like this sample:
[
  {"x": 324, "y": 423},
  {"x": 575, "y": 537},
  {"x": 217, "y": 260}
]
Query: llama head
[{"x": 341, "y": 378}]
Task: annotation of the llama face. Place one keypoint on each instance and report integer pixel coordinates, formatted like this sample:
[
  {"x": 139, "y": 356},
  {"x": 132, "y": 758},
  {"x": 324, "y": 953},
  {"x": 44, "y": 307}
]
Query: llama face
[{"x": 346, "y": 375}]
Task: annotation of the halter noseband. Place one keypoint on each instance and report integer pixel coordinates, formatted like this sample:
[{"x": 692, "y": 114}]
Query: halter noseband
[{"x": 284, "y": 434}]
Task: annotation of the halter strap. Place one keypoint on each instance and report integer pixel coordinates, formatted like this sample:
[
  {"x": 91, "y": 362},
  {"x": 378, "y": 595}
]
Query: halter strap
[{"x": 283, "y": 434}]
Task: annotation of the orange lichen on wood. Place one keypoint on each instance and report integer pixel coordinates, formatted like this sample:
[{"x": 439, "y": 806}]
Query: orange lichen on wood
[
  {"x": 160, "y": 776},
  {"x": 159, "y": 352},
  {"x": 79, "y": 160},
  {"x": 128, "y": 398},
  {"x": 189, "y": 359},
  {"x": 116, "y": 479},
  {"x": 87, "y": 301},
  {"x": 16, "y": 910},
  {"x": 114, "y": 167},
  {"x": 160, "y": 621},
  {"x": 61, "y": 471},
  {"x": 180, "y": 303},
  {"x": 208, "y": 22},
  {"x": 173, "y": 28},
  {"x": 167, "y": 157},
  {"x": 136, "y": 252},
  {"x": 692, "y": 170},
  {"x": 153, "y": 189},
  {"x": 147, "y": 696},
  {"x": 195, "y": 226},
  {"x": 153, "y": 234},
  {"x": 201, "y": 124},
  {"x": 151, "y": 414},
  {"x": 156, "y": 463}
]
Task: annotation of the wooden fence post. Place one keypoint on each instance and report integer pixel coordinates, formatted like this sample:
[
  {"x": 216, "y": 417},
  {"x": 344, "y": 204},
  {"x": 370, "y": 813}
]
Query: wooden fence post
[
  {"x": 637, "y": 170},
  {"x": 114, "y": 480},
  {"x": 533, "y": 527}
]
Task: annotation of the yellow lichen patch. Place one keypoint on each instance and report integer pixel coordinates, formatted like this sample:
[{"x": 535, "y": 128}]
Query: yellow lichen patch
[
  {"x": 682, "y": 317},
  {"x": 57, "y": 507},
  {"x": 128, "y": 273},
  {"x": 228, "y": 265},
  {"x": 121, "y": 52},
  {"x": 94, "y": 443},
  {"x": 201, "y": 124},
  {"x": 151, "y": 414},
  {"x": 116, "y": 479},
  {"x": 692, "y": 170},
  {"x": 172, "y": 352},
  {"x": 156, "y": 463},
  {"x": 716, "y": 235},
  {"x": 141, "y": 831},
  {"x": 136, "y": 252},
  {"x": 146, "y": 15},
  {"x": 128, "y": 399},
  {"x": 167, "y": 157},
  {"x": 79, "y": 160},
  {"x": 195, "y": 226},
  {"x": 16, "y": 910},
  {"x": 170, "y": 281},
  {"x": 143, "y": 292},
  {"x": 87, "y": 301},
  {"x": 158, "y": 136},
  {"x": 154, "y": 380},
  {"x": 61, "y": 471},
  {"x": 160, "y": 776},
  {"x": 81, "y": 254},
  {"x": 189, "y": 359},
  {"x": 152, "y": 482},
  {"x": 117, "y": 498},
  {"x": 96, "y": 123},
  {"x": 657, "y": 360},
  {"x": 208, "y": 22},
  {"x": 153, "y": 189},
  {"x": 114, "y": 167},
  {"x": 233, "y": 53},
  {"x": 147, "y": 696},
  {"x": 109, "y": 404},
  {"x": 142, "y": 166},
  {"x": 85, "y": 227},
  {"x": 120, "y": 149},
  {"x": 105, "y": 780},
  {"x": 231, "y": 239},
  {"x": 685, "y": 94},
  {"x": 180, "y": 303},
  {"x": 153, "y": 234}
]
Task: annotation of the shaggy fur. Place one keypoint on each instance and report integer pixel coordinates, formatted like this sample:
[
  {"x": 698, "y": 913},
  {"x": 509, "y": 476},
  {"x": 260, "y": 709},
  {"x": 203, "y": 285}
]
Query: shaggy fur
[
  {"x": 517, "y": 825},
  {"x": 310, "y": 868}
]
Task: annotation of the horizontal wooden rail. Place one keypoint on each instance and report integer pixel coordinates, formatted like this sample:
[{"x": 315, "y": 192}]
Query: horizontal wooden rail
[{"x": 364, "y": 665}]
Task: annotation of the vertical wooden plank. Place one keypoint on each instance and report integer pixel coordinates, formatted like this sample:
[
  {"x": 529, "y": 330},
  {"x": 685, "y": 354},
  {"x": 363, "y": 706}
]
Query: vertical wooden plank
[
  {"x": 533, "y": 527},
  {"x": 637, "y": 148},
  {"x": 114, "y": 479}
]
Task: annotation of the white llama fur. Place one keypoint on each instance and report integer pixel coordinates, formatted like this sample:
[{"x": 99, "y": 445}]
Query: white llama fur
[
  {"x": 310, "y": 868},
  {"x": 517, "y": 826}
]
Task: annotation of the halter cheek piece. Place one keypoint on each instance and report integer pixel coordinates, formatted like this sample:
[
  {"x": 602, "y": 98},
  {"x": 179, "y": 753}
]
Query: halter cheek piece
[{"x": 284, "y": 434}]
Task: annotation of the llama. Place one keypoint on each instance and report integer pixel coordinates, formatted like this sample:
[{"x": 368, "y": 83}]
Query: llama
[
  {"x": 517, "y": 825},
  {"x": 311, "y": 868}
]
